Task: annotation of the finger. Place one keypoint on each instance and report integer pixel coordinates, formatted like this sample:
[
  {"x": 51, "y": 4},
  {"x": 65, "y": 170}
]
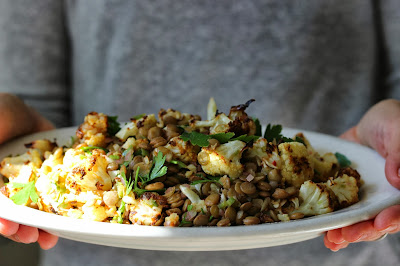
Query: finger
[
  {"x": 334, "y": 247},
  {"x": 46, "y": 240},
  {"x": 363, "y": 231},
  {"x": 351, "y": 135},
  {"x": 8, "y": 228},
  {"x": 335, "y": 236},
  {"x": 388, "y": 221},
  {"x": 27, "y": 234},
  {"x": 392, "y": 169}
]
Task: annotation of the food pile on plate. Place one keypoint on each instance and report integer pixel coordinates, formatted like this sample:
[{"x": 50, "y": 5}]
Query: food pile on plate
[{"x": 175, "y": 169}]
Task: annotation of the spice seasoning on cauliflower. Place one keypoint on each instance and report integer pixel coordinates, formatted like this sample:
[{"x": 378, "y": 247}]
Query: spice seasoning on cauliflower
[{"x": 175, "y": 169}]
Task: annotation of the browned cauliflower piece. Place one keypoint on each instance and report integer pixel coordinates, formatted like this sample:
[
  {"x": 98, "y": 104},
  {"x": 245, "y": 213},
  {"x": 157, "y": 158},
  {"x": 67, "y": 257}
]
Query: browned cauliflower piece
[
  {"x": 345, "y": 189},
  {"x": 93, "y": 131},
  {"x": 266, "y": 154},
  {"x": 223, "y": 160},
  {"x": 237, "y": 121},
  {"x": 88, "y": 171},
  {"x": 148, "y": 209},
  {"x": 182, "y": 150},
  {"x": 297, "y": 166},
  {"x": 131, "y": 129},
  {"x": 11, "y": 167},
  {"x": 315, "y": 199},
  {"x": 326, "y": 165}
]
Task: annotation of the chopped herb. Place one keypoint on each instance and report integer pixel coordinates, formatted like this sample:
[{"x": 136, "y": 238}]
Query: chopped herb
[
  {"x": 196, "y": 138},
  {"x": 210, "y": 219},
  {"x": 158, "y": 169},
  {"x": 189, "y": 207},
  {"x": 126, "y": 163},
  {"x": 246, "y": 138},
  {"x": 137, "y": 117},
  {"x": 184, "y": 221},
  {"x": 206, "y": 179},
  {"x": 201, "y": 140},
  {"x": 342, "y": 159},
  {"x": 113, "y": 125},
  {"x": 222, "y": 137},
  {"x": 178, "y": 163},
  {"x": 273, "y": 132},
  {"x": 27, "y": 191},
  {"x": 90, "y": 148},
  {"x": 114, "y": 157},
  {"x": 258, "y": 126},
  {"x": 226, "y": 203}
]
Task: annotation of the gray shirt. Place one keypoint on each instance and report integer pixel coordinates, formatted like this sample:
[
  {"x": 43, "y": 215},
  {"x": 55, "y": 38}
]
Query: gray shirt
[{"x": 315, "y": 65}]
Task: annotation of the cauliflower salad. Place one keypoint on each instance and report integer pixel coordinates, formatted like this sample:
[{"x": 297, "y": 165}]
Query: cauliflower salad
[{"x": 175, "y": 169}]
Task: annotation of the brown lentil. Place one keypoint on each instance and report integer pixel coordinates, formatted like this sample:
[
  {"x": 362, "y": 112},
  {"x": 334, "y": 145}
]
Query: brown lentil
[
  {"x": 158, "y": 141},
  {"x": 296, "y": 215},
  {"x": 230, "y": 213},
  {"x": 177, "y": 204},
  {"x": 212, "y": 199},
  {"x": 274, "y": 175},
  {"x": 200, "y": 220},
  {"x": 224, "y": 222},
  {"x": 154, "y": 132},
  {"x": 248, "y": 188},
  {"x": 155, "y": 186},
  {"x": 264, "y": 186},
  {"x": 280, "y": 193},
  {"x": 173, "y": 210},
  {"x": 246, "y": 206},
  {"x": 250, "y": 220},
  {"x": 225, "y": 181},
  {"x": 214, "y": 211}
]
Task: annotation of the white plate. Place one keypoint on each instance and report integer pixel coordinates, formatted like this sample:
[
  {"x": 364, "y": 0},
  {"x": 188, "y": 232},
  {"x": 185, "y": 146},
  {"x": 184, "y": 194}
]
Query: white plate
[{"x": 376, "y": 195}]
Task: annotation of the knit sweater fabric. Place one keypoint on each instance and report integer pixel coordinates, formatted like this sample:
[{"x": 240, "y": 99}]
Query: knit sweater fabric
[{"x": 314, "y": 65}]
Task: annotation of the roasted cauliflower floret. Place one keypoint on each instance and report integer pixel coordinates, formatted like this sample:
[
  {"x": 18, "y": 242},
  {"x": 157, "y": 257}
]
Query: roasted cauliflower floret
[
  {"x": 223, "y": 160},
  {"x": 325, "y": 166},
  {"x": 131, "y": 129},
  {"x": 88, "y": 171},
  {"x": 93, "y": 131},
  {"x": 42, "y": 145},
  {"x": 315, "y": 199},
  {"x": 237, "y": 121},
  {"x": 296, "y": 163},
  {"x": 148, "y": 210},
  {"x": 182, "y": 150},
  {"x": 345, "y": 189},
  {"x": 266, "y": 154},
  {"x": 219, "y": 124},
  {"x": 11, "y": 167}
]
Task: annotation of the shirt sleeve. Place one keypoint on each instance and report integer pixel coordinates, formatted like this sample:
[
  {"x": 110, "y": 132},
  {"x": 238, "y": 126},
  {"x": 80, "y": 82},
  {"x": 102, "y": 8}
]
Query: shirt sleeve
[
  {"x": 390, "y": 18},
  {"x": 34, "y": 56}
]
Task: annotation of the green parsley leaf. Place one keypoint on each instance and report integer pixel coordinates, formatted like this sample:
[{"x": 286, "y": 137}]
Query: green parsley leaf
[
  {"x": 246, "y": 138},
  {"x": 342, "y": 159},
  {"x": 273, "y": 132},
  {"x": 113, "y": 125},
  {"x": 206, "y": 179},
  {"x": 258, "y": 126},
  {"x": 196, "y": 138},
  {"x": 28, "y": 191},
  {"x": 158, "y": 169},
  {"x": 189, "y": 207},
  {"x": 222, "y": 137}
]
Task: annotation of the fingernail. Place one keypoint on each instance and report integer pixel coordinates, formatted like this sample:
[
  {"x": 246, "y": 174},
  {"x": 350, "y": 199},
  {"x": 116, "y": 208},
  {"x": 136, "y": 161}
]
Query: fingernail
[
  {"x": 398, "y": 172},
  {"x": 389, "y": 229},
  {"x": 340, "y": 242}
]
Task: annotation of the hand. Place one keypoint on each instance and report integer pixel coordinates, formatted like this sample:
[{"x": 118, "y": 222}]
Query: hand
[
  {"x": 18, "y": 119},
  {"x": 379, "y": 129}
]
